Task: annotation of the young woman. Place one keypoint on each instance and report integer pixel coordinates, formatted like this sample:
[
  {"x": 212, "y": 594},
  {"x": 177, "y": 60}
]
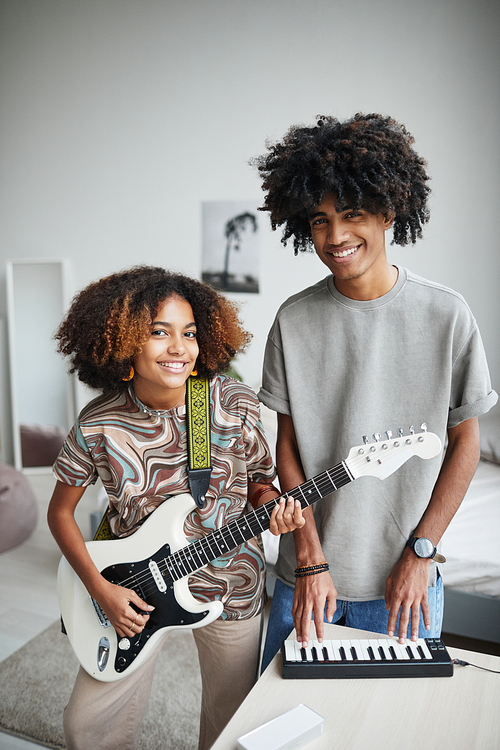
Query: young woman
[{"x": 137, "y": 336}]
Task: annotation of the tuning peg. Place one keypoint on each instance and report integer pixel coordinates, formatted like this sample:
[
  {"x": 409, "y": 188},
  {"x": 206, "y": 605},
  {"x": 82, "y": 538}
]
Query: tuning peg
[
  {"x": 389, "y": 434},
  {"x": 412, "y": 430},
  {"x": 423, "y": 427},
  {"x": 365, "y": 439},
  {"x": 376, "y": 436},
  {"x": 400, "y": 432}
]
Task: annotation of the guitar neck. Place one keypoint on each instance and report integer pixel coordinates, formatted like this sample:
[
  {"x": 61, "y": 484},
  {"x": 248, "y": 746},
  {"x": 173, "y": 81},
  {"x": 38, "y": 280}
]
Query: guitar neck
[{"x": 202, "y": 551}]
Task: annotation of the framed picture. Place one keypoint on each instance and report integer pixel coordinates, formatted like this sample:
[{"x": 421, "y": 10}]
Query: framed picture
[{"x": 230, "y": 260}]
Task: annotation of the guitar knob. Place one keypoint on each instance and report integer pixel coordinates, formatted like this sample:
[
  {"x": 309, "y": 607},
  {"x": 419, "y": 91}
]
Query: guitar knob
[{"x": 124, "y": 644}]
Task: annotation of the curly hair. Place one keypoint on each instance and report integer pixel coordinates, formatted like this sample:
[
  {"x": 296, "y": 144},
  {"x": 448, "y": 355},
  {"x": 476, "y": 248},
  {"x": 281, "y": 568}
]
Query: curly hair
[
  {"x": 366, "y": 162},
  {"x": 109, "y": 321}
]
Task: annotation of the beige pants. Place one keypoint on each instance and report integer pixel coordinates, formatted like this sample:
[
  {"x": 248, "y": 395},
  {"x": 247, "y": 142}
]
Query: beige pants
[{"x": 108, "y": 715}]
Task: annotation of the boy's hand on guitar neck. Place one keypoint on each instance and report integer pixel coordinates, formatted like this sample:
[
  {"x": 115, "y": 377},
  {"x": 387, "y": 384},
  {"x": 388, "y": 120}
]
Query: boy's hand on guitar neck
[{"x": 125, "y": 610}]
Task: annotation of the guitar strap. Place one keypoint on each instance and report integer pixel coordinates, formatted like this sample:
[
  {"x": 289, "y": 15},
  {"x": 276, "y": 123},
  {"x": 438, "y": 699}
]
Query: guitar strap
[
  {"x": 198, "y": 437},
  {"x": 198, "y": 444}
]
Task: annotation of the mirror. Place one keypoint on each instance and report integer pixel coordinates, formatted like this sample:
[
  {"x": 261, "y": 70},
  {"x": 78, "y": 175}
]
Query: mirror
[{"x": 42, "y": 400}]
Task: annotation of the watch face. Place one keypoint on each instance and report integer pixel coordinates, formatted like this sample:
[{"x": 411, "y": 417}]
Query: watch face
[{"x": 424, "y": 547}]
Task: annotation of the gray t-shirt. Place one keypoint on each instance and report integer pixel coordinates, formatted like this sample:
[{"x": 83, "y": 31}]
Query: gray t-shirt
[{"x": 345, "y": 368}]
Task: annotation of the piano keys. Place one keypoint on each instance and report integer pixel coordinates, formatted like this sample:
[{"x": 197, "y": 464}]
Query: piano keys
[{"x": 372, "y": 657}]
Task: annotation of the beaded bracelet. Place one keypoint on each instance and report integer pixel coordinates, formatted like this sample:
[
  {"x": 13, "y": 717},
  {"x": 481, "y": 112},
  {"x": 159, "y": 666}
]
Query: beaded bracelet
[
  {"x": 311, "y": 570},
  {"x": 318, "y": 566}
]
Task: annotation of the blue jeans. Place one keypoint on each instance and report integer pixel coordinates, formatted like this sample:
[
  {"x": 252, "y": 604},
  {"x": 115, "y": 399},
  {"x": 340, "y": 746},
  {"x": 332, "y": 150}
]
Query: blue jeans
[{"x": 370, "y": 615}]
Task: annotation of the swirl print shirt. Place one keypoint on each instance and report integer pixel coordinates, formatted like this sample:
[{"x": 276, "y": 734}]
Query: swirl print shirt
[{"x": 141, "y": 460}]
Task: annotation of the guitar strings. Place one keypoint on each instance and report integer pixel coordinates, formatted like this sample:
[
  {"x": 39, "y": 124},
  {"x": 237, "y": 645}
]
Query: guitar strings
[{"x": 316, "y": 488}]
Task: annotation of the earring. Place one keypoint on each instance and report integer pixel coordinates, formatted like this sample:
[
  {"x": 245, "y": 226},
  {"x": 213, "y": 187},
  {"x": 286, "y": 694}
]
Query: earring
[
  {"x": 194, "y": 373},
  {"x": 130, "y": 375}
]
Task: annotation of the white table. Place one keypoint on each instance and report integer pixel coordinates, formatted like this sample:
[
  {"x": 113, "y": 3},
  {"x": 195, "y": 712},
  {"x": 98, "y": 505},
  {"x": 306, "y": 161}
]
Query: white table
[{"x": 425, "y": 713}]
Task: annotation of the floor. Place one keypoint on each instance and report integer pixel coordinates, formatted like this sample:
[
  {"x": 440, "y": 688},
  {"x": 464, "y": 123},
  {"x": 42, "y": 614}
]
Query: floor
[{"x": 28, "y": 598}]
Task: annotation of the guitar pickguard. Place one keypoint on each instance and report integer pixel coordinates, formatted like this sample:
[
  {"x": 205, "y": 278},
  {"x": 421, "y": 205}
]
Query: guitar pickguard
[{"x": 167, "y": 613}]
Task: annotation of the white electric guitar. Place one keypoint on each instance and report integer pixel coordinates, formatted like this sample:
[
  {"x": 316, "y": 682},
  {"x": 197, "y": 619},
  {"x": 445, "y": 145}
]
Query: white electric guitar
[{"x": 156, "y": 560}]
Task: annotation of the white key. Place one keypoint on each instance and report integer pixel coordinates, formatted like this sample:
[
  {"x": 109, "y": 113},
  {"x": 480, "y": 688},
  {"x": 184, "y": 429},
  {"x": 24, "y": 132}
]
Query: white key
[
  {"x": 374, "y": 644},
  {"x": 319, "y": 650},
  {"x": 290, "y": 651},
  {"x": 336, "y": 650}
]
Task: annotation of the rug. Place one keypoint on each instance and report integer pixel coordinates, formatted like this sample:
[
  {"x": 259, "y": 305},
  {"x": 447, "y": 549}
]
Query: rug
[{"x": 37, "y": 680}]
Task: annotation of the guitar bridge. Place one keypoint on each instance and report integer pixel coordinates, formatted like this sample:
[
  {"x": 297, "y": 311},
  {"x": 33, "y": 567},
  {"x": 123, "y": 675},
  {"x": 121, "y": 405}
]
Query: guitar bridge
[{"x": 101, "y": 615}]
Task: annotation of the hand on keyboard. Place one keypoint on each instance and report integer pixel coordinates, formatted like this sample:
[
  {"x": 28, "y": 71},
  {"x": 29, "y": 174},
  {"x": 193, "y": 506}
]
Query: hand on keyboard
[
  {"x": 311, "y": 595},
  {"x": 406, "y": 595}
]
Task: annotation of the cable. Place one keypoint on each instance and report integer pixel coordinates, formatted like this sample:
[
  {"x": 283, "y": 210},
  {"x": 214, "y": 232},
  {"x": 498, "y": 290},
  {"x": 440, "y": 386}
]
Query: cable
[{"x": 468, "y": 664}]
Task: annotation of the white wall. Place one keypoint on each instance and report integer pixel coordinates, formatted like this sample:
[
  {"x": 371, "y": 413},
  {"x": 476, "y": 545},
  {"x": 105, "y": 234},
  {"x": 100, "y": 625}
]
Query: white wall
[{"x": 119, "y": 117}]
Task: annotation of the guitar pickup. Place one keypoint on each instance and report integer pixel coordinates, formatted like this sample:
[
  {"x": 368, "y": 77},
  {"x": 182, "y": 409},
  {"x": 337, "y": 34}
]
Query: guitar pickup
[{"x": 157, "y": 576}]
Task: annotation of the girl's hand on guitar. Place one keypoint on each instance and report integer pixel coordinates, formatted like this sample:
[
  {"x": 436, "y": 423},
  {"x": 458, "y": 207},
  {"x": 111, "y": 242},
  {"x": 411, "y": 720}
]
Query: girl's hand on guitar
[
  {"x": 125, "y": 610},
  {"x": 286, "y": 516}
]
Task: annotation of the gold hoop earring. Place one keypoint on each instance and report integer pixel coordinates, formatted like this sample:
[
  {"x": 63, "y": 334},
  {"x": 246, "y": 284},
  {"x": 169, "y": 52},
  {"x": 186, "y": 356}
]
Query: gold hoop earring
[
  {"x": 130, "y": 375},
  {"x": 194, "y": 373}
]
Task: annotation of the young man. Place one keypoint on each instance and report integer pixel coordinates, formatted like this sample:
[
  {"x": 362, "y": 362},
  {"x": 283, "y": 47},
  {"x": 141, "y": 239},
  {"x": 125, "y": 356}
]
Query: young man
[{"x": 370, "y": 348}]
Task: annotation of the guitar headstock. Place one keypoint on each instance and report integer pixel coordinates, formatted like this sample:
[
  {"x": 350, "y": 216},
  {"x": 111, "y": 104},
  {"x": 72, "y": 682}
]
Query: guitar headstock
[{"x": 384, "y": 456}]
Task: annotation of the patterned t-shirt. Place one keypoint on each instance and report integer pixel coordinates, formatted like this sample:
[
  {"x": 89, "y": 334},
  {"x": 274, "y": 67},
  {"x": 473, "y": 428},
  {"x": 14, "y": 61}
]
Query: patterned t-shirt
[{"x": 141, "y": 460}]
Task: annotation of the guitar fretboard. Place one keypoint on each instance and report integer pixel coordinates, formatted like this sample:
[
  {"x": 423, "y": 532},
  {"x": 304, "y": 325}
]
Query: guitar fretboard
[{"x": 202, "y": 551}]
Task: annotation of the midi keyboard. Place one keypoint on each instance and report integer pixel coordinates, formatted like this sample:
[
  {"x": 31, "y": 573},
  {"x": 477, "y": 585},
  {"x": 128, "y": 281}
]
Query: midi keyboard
[{"x": 341, "y": 659}]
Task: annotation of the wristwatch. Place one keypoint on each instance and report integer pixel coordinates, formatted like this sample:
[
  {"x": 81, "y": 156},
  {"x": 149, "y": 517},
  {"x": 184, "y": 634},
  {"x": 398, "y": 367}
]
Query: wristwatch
[{"x": 423, "y": 547}]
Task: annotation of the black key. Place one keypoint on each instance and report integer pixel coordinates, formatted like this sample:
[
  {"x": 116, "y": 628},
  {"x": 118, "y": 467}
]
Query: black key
[{"x": 382, "y": 653}]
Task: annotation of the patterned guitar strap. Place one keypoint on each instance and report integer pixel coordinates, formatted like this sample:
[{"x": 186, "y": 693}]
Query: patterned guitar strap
[
  {"x": 198, "y": 437},
  {"x": 198, "y": 445}
]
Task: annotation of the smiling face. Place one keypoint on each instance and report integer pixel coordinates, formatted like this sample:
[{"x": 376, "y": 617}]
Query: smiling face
[
  {"x": 352, "y": 245},
  {"x": 168, "y": 356}
]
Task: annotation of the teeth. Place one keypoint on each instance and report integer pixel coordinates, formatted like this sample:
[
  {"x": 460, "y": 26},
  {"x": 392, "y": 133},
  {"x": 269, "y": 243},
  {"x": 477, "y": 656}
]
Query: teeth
[
  {"x": 343, "y": 253},
  {"x": 174, "y": 365}
]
